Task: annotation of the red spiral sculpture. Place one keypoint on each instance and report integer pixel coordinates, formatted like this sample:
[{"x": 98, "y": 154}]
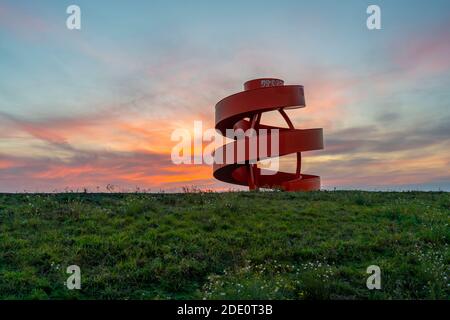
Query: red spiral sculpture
[{"x": 243, "y": 110}]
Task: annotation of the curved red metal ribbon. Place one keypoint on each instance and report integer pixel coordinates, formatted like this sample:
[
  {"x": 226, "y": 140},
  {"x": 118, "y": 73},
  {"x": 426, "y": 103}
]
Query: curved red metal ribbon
[{"x": 243, "y": 110}]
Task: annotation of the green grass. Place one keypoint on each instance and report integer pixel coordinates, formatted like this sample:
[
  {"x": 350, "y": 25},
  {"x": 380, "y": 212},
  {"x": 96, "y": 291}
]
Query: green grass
[{"x": 268, "y": 245}]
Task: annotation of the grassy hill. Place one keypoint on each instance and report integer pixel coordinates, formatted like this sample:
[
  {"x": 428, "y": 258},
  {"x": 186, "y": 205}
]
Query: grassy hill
[{"x": 271, "y": 245}]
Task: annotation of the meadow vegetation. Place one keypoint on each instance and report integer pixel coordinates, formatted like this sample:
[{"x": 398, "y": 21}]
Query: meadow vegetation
[{"x": 238, "y": 245}]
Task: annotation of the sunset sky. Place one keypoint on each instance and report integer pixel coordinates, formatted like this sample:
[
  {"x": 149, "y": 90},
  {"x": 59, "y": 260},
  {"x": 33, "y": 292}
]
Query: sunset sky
[{"x": 97, "y": 106}]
